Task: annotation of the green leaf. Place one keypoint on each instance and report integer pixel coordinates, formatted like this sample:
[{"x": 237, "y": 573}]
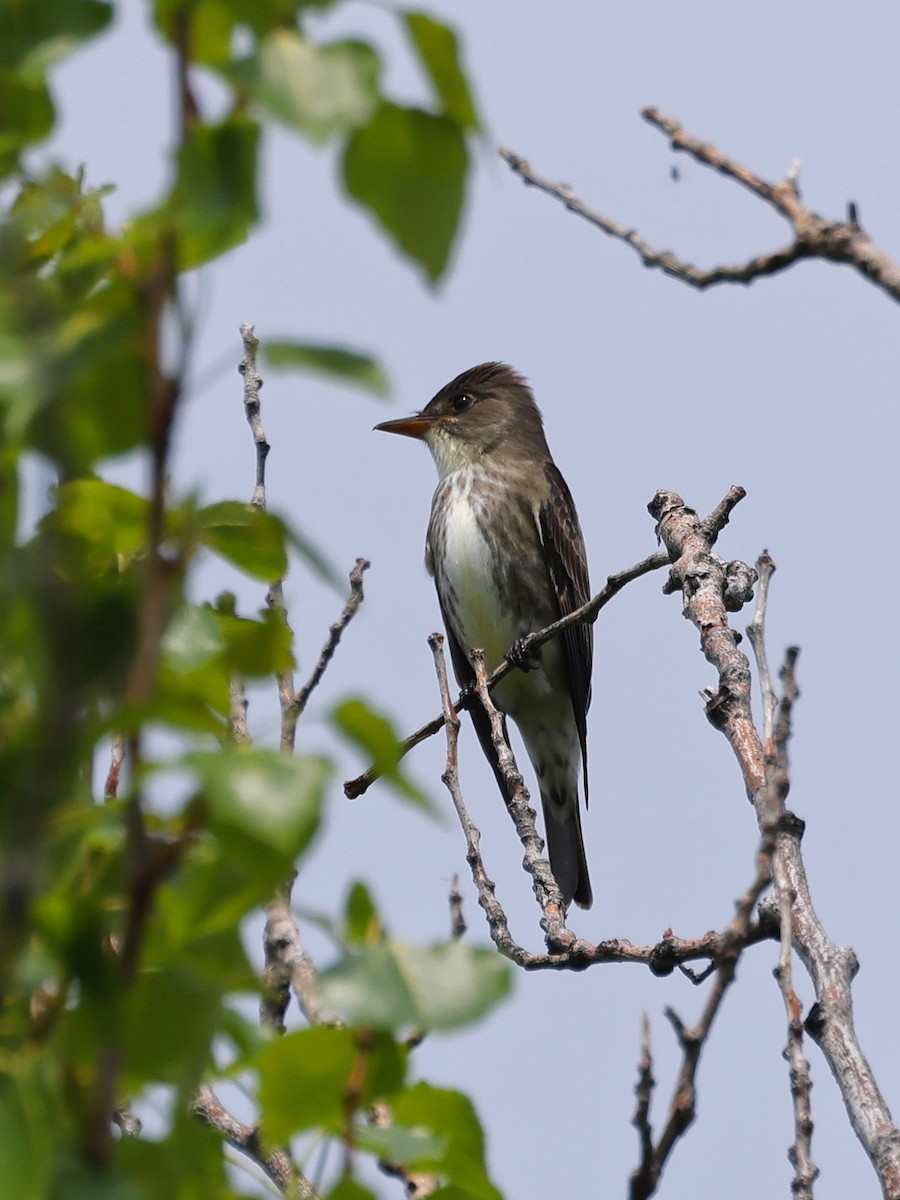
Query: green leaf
[
  {"x": 248, "y": 537},
  {"x": 263, "y": 796},
  {"x": 373, "y": 734},
  {"x": 349, "y": 1189},
  {"x": 214, "y": 888},
  {"x": 214, "y": 200},
  {"x": 194, "y": 638},
  {"x": 320, "y": 90},
  {"x": 26, "y": 115},
  {"x": 362, "y": 924},
  {"x": 452, "y": 1116},
  {"x": 31, "y": 1111},
  {"x": 408, "y": 168},
  {"x": 304, "y": 1078},
  {"x": 438, "y": 48},
  {"x": 110, "y": 522},
  {"x": 396, "y": 1144},
  {"x": 84, "y": 419},
  {"x": 348, "y": 365},
  {"x": 395, "y": 986},
  {"x": 36, "y": 35},
  {"x": 171, "y": 1015},
  {"x": 188, "y": 1164}
]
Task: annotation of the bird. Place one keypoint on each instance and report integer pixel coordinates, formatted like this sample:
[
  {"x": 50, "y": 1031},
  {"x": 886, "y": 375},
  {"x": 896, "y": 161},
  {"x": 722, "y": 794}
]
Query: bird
[{"x": 505, "y": 548}]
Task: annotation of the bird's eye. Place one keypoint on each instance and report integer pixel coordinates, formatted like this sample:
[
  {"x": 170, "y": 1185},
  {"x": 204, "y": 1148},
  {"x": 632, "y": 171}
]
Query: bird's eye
[{"x": 461, "y": 403}]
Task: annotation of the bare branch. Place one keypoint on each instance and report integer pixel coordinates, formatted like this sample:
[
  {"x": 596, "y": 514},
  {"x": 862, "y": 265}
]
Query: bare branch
[
  {"x": 814, "y": 236},
  {"x": 641, "y": 1119},
  {"x": 252, "y": 385},
  {"x": 237, "y": 711},
  {"x": 116, "y": 758},
  {"x": 645, "y": 1178},
  {"x": 246, "y": 1138},
  {"x": 496, "y": 917},
  {"x": 800, "y": 1153},
  {"x": 518, "y": 802},
  {"x": 288, "y": 966},
  {"x": 334, "y": 634},
  {"x": 704, "y": 580},
  {"x": 765, "y": 569}
]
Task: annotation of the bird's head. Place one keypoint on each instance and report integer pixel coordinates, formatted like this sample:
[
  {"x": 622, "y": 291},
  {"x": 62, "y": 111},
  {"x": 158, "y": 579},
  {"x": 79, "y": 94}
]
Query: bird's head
[{"x": 486, "y": 410}]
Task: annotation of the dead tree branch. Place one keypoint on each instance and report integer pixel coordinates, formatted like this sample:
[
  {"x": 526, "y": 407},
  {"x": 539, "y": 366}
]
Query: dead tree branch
[
  {"x": 814, "y": 236},
  {"x": 645, "y": 1178},
  {"x": 710, "y": 587}
]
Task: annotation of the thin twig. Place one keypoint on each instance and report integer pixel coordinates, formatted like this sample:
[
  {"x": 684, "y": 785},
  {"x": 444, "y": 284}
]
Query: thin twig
[
  {"x": 253, "y": 382},
  {"x": 496, "y": 917},
  {"x": 589, "y": 612},
  {"x": 246, "y": 1138},
  {"x": 814, "y": 236},
  {"x": 334, "y": 634},
  {"x": 645, "y": 1178},
  {"x": 518, "y": 802},
  {"x": 800, "y": 1152},
  {"x": 765, "y": 569},
  {"x": 237, "y": 712},
  {"x": 116, "y": 758}
]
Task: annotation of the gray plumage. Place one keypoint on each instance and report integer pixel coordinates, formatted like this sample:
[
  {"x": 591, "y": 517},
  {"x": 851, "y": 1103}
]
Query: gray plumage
[{"x": 505, "y": 548}]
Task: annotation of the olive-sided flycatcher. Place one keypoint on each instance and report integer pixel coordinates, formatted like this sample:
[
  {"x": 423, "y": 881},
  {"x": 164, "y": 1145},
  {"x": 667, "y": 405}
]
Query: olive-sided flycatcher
[{"x": 505, "y": 548}]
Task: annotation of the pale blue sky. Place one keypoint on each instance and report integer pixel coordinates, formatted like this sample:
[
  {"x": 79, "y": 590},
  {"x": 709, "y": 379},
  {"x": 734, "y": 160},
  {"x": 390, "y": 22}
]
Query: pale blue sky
[{"x": 788, "y": 388}]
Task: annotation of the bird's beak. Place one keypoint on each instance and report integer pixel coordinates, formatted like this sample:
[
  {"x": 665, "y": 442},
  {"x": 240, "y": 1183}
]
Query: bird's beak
[{"x": 414, "y": 427}]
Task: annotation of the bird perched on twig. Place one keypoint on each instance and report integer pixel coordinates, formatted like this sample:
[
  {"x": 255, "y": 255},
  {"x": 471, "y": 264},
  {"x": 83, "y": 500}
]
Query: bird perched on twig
[{"x": 505, "y": 548}]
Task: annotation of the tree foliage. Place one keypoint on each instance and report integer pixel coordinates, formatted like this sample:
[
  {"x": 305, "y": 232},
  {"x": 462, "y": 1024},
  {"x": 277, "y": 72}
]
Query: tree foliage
[{"x": 122, "y": 963}]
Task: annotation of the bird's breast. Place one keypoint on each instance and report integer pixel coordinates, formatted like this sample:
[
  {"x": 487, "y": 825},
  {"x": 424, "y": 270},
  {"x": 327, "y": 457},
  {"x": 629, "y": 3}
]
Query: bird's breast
[{"x": 485, "y": 554}]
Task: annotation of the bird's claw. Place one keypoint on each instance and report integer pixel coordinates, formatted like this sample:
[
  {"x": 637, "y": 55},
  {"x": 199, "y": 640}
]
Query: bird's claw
[{"x": 523, "y": 658}]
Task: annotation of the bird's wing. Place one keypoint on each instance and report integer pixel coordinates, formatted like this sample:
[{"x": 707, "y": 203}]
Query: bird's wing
[
  {"x": 566, "y": 562},
  {"x": 465, "y": 677}
]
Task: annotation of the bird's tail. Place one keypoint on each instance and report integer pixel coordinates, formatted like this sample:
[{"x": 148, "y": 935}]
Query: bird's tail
[{"x": 565, "y": 846}]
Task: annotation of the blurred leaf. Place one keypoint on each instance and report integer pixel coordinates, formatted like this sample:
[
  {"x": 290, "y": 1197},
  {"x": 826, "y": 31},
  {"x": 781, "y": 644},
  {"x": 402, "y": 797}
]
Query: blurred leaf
[
  {"x": 452, "y": 1116},
  {"x": 395, "y": 986},
  {"x": 362, "y": 924},
  {"x": 265, "y": 793},
  {"x": 9, "y": 494},
  {"x": 171, "y": 1015},
  {"x": 110, "y": 521},
  {"x": 247, "y": 536},
  {"x": 396, "y": 1144},
  {"x": 30, "y": 1114},
  {"x": 349, "y": 1189},
  {"x": 84, "y": 418},
  {"x": 186, "y": 1164},
  {"x": 26, "y": 113},
  {"x": 38, "y": 34},
  {"x": 263, "y": 796},
  {"x": 193, "y": 638},
  {"x": 213, "y": 890},
  {"x": 373, "y": 734},
  {"x": 214, "y": 200},
  {"x": 359, "y": 369},
  {"x": 319, "y": 90},
  {"x": 438, "y": 48},
  {"x": 304, "y": 1078},
  {"x": 408, "y": 168}
]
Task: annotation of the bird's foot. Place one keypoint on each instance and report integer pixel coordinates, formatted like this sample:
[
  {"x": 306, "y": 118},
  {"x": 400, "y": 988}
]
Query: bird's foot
[{"x": 520, "y": 656}]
